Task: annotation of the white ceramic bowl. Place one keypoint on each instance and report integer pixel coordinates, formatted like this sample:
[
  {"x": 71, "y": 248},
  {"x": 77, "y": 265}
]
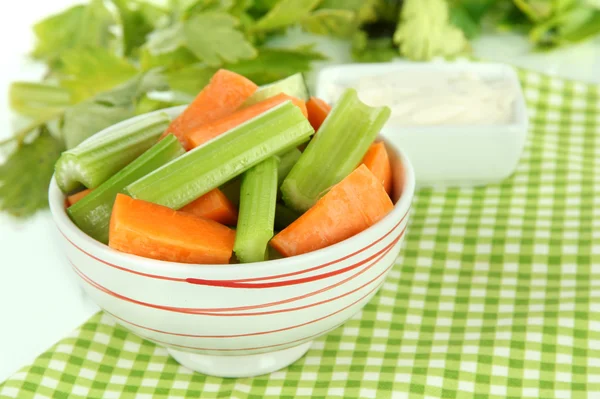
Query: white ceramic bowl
[
  {"x": 246, "y": 319},
  {"x": 448, "y": 155}
]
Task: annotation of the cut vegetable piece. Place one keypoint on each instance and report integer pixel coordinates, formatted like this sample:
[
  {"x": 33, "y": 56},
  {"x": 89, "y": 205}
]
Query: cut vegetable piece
[
  {"x": 286, "y": 163},
  {"x": 92, "y": 213},
  {"x": 378, "y": 162},
  {"x": 284, "y": 216},
  {"x": 225, "y": 93},
  {"x": 331, "y": 155},
  {"x": 92, "y": 162},
  {"x": 75, "y": 198},
  {"x": 351, "y": 206},
  {"x": 153, "y": 231},
  {"x": 209, "y": 131},
  {"x": 257, "y": 211},
  {"x": 206, "y": 167},
  {"x": 213, "y": 205},
  {"x": 293, "y": 85},
  {"x": 317, "y": 111}
]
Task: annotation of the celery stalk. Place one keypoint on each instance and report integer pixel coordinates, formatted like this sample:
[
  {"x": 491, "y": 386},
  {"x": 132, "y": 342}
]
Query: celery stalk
[
  {"x": 284, "y": 216},
  {"x": 257, "y": 211},
  {"x": 286, "y": 163},
  {"x": 92, "y": 162},
  {"x": 208, "y": 166},
  {"x": 92, "y": 213},
  {"x": 334, "y": 152}
]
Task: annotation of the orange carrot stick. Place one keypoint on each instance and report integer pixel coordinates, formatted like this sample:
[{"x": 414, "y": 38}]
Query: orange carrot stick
[
  {"x": 210, "y": 130},
  {"x": 225, "y": 92},
  {"x": 350, "y": 207},
  {"x": 378, "y": 162},
  {"x": 72, "y": 199},
  {"x": 317, "y": 111},
  {"x": 213, "y": 205},
  {"x": 154, "y": 231}
]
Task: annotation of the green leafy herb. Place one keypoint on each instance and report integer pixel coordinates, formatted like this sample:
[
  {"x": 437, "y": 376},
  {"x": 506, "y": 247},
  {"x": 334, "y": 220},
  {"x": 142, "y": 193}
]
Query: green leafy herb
[
  {"x": 285, "y": 13},
  {"x": 212, "y": 37},
  {"x": 25, "y": 175},
  {"x": 77, "y": 27},
  {"x": 89, "y": 72},
  {"x": 340, "y": 23}
]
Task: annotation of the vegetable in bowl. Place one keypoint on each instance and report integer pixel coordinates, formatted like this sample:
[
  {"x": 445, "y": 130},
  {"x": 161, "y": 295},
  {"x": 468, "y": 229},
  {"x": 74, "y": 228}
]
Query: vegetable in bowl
[{"x": 167, "y": 204}]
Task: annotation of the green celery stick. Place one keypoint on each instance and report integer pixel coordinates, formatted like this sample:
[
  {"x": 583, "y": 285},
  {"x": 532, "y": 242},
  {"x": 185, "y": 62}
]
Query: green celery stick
[
  {"x": 284, "y": 216},
  {"x": 257, "y": 211},
  {"x": 200, "y": 170},
  {"x": 286, "y": 162},
  {"x": 92, "y": 213},
  {"x": 334, "y": 152},
  {"x": 92, "y": 162}
]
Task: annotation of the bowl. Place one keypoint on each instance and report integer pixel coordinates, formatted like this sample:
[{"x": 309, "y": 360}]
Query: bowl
[
  {"x": 448, "y": 155},
  {"x": 245, "y": 319}
]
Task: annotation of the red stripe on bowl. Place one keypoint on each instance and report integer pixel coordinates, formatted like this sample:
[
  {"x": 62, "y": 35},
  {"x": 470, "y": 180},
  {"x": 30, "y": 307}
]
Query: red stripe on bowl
[
  {"x": 202, "y": 311},
  {"x": 263, "y": 332}
]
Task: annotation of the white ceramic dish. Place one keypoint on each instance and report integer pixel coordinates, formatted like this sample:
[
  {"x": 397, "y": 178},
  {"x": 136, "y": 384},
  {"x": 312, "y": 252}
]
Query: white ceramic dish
[
  {"x": 239, "y": 320},
  {"x": 449, "y": 155}
]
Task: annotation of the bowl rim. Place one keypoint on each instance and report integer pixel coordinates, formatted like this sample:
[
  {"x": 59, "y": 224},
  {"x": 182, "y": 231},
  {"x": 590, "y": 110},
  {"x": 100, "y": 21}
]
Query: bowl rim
[{"x": 68, "y": 229}]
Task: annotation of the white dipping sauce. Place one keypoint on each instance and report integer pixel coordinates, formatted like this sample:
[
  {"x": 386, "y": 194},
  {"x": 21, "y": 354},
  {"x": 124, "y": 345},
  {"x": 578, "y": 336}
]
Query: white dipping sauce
[{"x": 424, "y": 98}]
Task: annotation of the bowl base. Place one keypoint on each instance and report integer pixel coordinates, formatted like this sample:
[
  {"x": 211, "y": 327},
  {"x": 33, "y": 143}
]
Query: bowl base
[{"x": 240, "y": 366}]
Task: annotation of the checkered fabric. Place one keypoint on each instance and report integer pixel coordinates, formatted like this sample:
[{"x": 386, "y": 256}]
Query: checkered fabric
[{"x": 496, "y": 294}]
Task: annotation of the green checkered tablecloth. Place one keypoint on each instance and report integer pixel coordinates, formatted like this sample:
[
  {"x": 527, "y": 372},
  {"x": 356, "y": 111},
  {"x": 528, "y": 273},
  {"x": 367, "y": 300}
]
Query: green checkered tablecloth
[{"x": 496, "y": 294}]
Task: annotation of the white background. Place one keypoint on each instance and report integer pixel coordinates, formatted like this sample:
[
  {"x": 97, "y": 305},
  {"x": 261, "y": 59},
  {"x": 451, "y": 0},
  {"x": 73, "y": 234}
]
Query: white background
[{"x": 40, "y": 302}]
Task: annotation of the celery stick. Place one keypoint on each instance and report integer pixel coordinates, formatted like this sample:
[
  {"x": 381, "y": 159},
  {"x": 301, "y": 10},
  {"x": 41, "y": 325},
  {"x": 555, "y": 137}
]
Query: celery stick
[
  {"x": 208, "y": 166},
  {"x": 286, "y": 162},
  {"x": 284, "y": 216},
  {"x": 257, "y": 211},
  {"x": 92, "y": 162},
  {"x": 92, "y": 213},
  {"x": 334, "y": 152}
]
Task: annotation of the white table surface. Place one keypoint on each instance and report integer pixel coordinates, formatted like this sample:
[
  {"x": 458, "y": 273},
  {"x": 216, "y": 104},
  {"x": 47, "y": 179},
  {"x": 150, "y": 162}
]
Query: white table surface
[{"x": 40, "y": 301}]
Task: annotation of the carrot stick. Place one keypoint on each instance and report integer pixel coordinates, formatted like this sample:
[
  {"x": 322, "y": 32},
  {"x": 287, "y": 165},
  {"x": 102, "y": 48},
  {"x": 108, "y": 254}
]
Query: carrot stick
[
  {"x": 225, "y": 92},
  {"x": 154, "y": 231},
  {"x": 211, "y": 130},
  {"x": 317, "y": 111},
  {"x": 351, "y": 206},
  {"x": 378, "y": 162},
  {"x": 74, "y": 198},
  {"x": 213, "y": 205}
]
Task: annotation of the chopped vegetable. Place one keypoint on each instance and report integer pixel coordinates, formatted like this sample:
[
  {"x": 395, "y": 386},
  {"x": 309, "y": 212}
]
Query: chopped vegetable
[
  {"x": 294, "y": 86},
  {"x": 225, "y": 92},
  {"x": 286, "y": 163},
  {"x": 231, "y": 189},
  {"x": 92, "y": 213},
  {"x": 209, "y": 131},
  {"x": 317, "y": 112},
  {"x": 213, "y": 205},
  {"x": 284, "y": 216},
  {"x": 75, "y": 198},
  {"x": 351, "y": 206},
  {"x": 378, "y": 162},
  {"x": 342, "y": 142},
  {"x": 92, "y": 162},
  {"x": 257, "y": 211},
  {"x": 153, "y": 231},
  {"x": 207, "y": 167}
]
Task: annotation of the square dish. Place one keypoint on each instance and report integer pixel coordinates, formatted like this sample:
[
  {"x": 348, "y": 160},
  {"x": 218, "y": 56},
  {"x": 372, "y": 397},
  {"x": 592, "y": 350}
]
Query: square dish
[{"x": 446, "y": 155}]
